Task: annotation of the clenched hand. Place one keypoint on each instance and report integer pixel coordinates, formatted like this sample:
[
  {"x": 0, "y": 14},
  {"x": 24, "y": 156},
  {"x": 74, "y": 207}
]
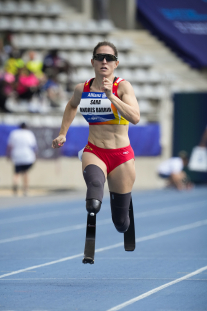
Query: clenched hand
[
  {"x": 59, "y": 141},
  {"x": 107, "y": 87}
]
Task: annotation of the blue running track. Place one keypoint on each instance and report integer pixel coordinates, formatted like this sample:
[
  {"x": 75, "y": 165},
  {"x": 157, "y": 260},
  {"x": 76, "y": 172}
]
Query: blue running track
[{"x": 41, "y": 251}]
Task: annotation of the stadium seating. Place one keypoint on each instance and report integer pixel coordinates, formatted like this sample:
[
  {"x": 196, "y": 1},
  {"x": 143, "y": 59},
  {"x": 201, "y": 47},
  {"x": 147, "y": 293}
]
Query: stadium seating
[
  {"x": 40, "y": 26},
  {"x": 9, "y": 7},
  {"x": 32, "y": 24},
  {"x": 17, "y": 24},
  {"x": 4, "y": 23},
  {"x": 25, "y": 8}
]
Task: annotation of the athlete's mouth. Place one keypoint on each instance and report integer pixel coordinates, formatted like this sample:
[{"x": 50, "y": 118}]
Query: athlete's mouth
[{"x": 105, "y": 68}]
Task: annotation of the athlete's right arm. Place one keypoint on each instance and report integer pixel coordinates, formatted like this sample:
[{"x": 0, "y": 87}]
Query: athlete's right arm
[{"x": 68, "y": 116}]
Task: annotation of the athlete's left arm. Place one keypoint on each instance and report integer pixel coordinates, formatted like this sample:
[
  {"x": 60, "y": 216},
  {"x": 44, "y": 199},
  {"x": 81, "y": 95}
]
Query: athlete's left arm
[{"x": 127, "y": 105}]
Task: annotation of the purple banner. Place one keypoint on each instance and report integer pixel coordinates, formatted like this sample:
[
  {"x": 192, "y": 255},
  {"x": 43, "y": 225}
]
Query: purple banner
[{"x": 181, "y": 24}]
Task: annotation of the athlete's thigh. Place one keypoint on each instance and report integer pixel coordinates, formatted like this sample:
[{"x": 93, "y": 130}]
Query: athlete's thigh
[
  {"x": 90, "y": 158},
  {"x": 122, "y": 178}
]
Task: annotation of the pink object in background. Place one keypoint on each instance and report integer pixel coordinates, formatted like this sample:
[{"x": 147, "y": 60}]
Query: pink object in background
[
  {"x": 25, "y": 82},
  {"x": 8, "y": 77}
]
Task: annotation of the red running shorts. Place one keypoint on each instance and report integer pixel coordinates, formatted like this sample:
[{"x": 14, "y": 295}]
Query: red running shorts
[{"x": 111, "y": 157}]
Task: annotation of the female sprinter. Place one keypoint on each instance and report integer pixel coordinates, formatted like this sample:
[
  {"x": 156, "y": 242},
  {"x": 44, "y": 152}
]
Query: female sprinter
[{"x": 108, "y": 104}]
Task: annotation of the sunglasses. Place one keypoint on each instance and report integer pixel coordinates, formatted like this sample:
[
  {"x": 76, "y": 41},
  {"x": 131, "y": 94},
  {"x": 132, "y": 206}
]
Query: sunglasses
[{"x": 108, "y": 57}]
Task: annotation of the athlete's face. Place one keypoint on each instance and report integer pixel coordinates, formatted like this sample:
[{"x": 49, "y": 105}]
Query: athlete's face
[{"x": 103, "y": 67}]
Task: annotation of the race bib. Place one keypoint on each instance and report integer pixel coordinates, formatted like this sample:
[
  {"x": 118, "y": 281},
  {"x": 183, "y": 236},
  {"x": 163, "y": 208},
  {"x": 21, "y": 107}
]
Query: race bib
[{"x": 96, "y": 107}]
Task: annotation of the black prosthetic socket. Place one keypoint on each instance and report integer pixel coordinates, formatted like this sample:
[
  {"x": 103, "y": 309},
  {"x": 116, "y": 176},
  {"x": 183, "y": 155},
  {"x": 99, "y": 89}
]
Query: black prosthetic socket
[
  {"x": 95, "y": 179},
  {"x": 93, "y": 206},
  {"x": 120, "y": 210}
]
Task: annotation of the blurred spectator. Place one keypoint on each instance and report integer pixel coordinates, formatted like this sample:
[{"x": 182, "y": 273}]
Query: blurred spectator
[
  {"x": 26, "y": 84},
  {"x": 198, "y": 157},
  {"x": 5, "y": 46},
  {"x": 9, "y": 80},
  {"x": 35, "y": 65},
  {"x": 54, "y": 64},
  {"x": 3, "y": 54},
  {"x": 53, "y": 91},
  {"x": 3, "y": 97},
  {"x": 32, "y": 81},
  {"x": 172, "y": 170},
  {"x": 21, "y": 149},
  {"x": 7, "y": 40},
  {"x": 6, "y": 88},
  {"x": 14, "y": 62}
]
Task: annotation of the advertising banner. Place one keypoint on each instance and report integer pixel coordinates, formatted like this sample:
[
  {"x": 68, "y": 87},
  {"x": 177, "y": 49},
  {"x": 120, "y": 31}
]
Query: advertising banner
[
  {"x": 180, "y": 24},
  {"x": 145, "y": 140}
]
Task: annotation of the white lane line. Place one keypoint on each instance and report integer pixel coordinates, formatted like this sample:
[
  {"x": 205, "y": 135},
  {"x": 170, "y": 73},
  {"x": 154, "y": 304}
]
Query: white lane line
[
  {"x": 155, "y": 212},
  {"x": 40, "y": 266},
  {"x": 157, "y": 289},
  {"x": 49, "y": 232},
  {"x": 161, "y": 198},
  {"x": 39, "y": 216},
  {"x": 79, "y": 210},
  {"x": 171, "y": 209},
  {"x": 43, "y": 233},
  {"x": 159, "y": 234},
  {"x": 102, "y": 249},
  {"x": 167, "y": 196},
  {"x": 112, "y": 279}
]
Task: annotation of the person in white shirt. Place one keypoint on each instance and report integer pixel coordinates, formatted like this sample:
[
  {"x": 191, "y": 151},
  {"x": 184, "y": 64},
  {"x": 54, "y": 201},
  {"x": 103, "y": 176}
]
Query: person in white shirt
[
  {"x": 172, "y": 170},
  {"x": 21, "y": 149}
]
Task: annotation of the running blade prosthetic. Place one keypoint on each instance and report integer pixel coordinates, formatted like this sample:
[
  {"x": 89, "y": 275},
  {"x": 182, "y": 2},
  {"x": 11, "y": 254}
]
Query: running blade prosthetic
[
  {"x": 90, "y": 239},
  {"x": 129, "y": 235}
]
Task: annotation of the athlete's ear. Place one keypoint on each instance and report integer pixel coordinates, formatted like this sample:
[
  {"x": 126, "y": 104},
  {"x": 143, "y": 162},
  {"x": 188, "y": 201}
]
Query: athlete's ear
[
  {"x": 92, "y": 62},
  {"x": 116, "y": 64}
]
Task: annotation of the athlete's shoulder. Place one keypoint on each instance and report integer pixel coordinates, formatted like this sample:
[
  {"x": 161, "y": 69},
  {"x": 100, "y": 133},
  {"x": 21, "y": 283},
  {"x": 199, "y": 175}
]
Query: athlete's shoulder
[
  {"x": 75, "y": 99},
  {"x": 122, "y": 81},
  {"x": 125, "y": 85},
  {"x": 79, "y": 88},
  {"x": 124, "y": 88}
]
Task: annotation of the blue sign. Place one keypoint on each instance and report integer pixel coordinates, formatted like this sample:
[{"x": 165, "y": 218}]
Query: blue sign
[{"x": 180, "y": 24}]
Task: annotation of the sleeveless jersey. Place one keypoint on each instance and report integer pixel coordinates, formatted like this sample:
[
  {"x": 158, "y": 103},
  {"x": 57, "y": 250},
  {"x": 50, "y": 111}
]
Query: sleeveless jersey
[{"x": 97, "y": 109}]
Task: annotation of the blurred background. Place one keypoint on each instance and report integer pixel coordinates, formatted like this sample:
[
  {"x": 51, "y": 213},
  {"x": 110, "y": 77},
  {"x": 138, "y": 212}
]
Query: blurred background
[{"x": 45, "y": 50}]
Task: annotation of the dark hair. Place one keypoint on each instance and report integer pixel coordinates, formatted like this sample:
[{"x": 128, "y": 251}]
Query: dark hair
[
  {"x": 183, "y": 155},
  {"x": 16, "y": 54},
  {"x": 105, "y": 43},
  {"x": 23, "y": 125}
]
